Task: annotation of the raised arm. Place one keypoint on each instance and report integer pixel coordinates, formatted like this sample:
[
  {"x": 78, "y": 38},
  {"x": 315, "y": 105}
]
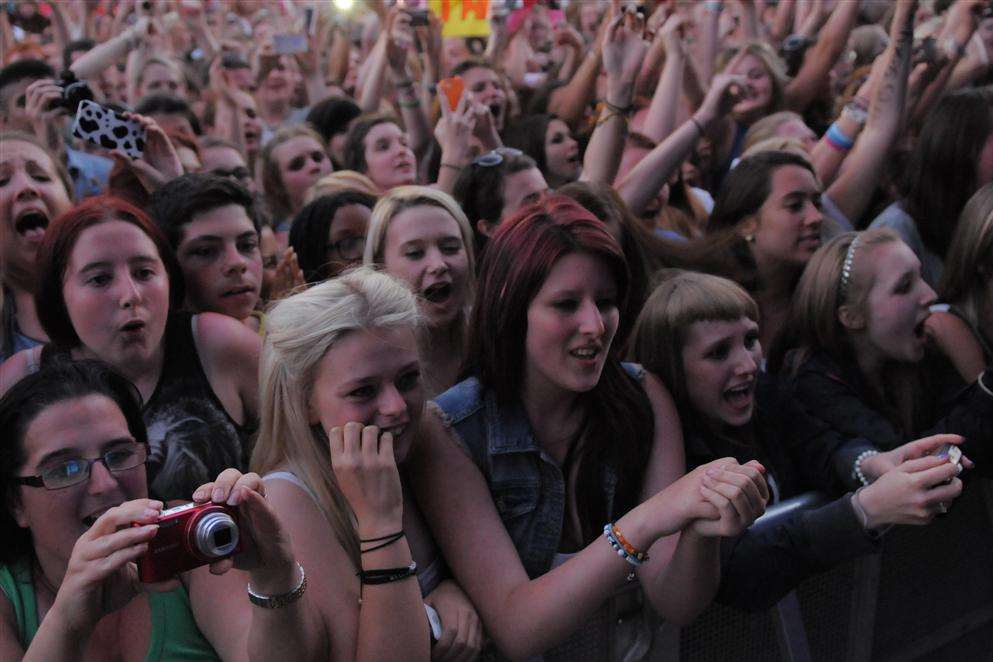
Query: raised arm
[
  {"x": 853, "y": 189},
  {"x": 645, "y": 180},
  {"x": 661, "y": 118},
  {"x": 623, "y": 52},
  {"x": 821, "y": 57}
]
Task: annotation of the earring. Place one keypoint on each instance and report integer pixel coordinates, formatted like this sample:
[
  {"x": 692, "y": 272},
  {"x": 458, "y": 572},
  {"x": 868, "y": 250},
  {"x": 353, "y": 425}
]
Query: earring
[{"x": 749, "y": 238}]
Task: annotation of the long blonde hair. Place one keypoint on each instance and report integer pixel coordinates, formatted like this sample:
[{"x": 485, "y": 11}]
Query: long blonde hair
[
  {"x": 968, "y": 273},
  {"x": 299, "y": 331}
]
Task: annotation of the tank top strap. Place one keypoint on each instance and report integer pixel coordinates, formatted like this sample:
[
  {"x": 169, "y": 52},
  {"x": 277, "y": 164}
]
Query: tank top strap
[
  {"x": 15, "y": 582},
  {"x": 175, "y": 634}
]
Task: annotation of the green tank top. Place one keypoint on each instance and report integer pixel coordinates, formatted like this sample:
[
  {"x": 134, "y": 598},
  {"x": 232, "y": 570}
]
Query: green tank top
[{"x": 175, "y": 635}]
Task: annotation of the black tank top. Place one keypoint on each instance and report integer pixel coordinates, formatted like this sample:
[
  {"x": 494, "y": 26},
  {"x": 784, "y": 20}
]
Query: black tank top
[{"x": 191, "y": 436}]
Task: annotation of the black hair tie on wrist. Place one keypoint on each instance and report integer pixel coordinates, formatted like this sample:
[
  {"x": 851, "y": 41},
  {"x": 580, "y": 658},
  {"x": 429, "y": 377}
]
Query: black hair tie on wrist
[{"x": 387, "y": 575}]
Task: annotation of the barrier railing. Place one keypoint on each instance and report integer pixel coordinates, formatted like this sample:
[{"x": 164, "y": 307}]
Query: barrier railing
[{"x": 928, "y": 595}]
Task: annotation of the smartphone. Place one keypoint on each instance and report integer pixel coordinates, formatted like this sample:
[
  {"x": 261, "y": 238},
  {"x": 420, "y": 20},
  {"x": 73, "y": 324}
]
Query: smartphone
[
  {"x": 109, "y": 129},
  {"x": 418, "y": 17},
  {"x": 452, "y": 88},
  {"x": 290, "y": 44}
]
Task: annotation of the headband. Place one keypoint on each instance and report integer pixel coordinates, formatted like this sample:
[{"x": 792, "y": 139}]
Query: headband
[{"x": 846, "y": 268}]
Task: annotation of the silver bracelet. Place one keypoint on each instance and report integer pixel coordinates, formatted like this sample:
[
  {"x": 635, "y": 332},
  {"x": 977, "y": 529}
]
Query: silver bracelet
[
  {"x": 986, "y": 389},
  {"x": 857, "y": 466},
  {"x": 278, "y": 601}
]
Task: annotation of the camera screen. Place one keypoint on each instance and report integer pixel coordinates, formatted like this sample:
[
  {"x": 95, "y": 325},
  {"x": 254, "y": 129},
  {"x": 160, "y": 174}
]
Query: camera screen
[{"x": 222, "y": 537}]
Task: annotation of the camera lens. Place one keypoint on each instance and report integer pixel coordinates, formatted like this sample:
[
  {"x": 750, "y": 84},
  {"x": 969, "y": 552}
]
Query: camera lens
[{"x": 216, "y": 535}]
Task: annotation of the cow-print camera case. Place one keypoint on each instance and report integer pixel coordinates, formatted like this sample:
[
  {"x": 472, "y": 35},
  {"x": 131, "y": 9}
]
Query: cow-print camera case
[{"x": 108, "y": 129}]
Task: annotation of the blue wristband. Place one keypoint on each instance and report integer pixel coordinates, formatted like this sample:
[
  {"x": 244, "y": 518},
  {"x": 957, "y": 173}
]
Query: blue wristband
[{"x": 839, "y": 139}]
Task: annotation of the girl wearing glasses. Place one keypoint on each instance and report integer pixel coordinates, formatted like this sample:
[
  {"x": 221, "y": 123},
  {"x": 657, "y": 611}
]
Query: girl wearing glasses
[
  {"x": 328, "y": 235},
  {"x": 110, "y": 289},
  {"x": 421, "y": 236},
  {"x": 73, "y": 478}
]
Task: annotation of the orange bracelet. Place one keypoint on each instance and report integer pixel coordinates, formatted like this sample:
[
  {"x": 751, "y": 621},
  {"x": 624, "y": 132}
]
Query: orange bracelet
[{"x": 628, "y": 547}]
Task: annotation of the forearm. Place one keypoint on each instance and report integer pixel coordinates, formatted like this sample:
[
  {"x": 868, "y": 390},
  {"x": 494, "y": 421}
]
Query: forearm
[
  {"x": 392, "y": 623},
  {"x": 764, "y": 564},
  {"x": 750, "y": 21},
  {"x": 816, "y": 65},
  {"x": 569, "y": 102},
  {"x": 661, "y": 118},
  {"x": 684, "y": 586},
  {"x": 284, "y": 633},
  {"x": 652, "y": 66},
  {"x": 782, "y": 22},
  {"x": 709, "y": 43},
  {"x": 603, "y": 154},
  {"x": 414, "y": 120},
  {"x": 645, "y": 180},
  {"x": 853, "y": 190},
  {"x": 338, "y": 59},
  {"x": 55, "y": 640},
  {"x": 371, "y": 87},
  {"x": 92, "y": 63}
]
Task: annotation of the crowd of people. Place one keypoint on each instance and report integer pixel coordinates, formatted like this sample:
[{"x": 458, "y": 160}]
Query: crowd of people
[{"x": 496, "y": 346}]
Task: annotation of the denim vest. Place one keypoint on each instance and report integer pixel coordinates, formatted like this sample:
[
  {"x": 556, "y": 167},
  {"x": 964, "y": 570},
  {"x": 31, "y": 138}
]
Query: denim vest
[{"x": 526, "y": 484}]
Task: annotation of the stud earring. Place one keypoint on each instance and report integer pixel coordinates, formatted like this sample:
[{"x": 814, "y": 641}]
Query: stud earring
[{"x": 749, "y": 238}]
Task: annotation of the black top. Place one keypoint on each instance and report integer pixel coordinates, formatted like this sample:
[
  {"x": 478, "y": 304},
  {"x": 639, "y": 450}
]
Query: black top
[
  {"x": 765, "y": 563},
  {"x": 191, "y": 435},
  {"x": 836, "y": 394}
]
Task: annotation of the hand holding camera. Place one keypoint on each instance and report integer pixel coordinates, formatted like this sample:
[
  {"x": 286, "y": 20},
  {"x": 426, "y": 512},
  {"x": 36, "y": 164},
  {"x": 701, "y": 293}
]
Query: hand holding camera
[{"x": 101, "y": 576}]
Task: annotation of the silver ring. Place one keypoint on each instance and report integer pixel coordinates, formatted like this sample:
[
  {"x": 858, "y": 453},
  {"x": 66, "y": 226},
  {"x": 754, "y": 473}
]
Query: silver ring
[{"x": 942, "y": 508}]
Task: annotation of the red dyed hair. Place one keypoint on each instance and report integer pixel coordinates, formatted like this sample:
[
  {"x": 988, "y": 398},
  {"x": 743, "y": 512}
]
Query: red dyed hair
[
  {"x": 619, "y": 424},
  {"x": 56, "y": 249}
]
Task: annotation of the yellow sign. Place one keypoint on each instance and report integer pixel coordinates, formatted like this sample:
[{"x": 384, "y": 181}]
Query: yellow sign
[{"x": 463, "y": 18}]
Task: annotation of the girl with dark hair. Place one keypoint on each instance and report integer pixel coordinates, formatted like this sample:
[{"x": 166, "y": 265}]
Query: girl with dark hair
[
  {"x": 34, "y": 190},
  {"x": 856, "y": 350},
  {"x": 564, "y": 437},
  {"x": 765, "y": 226},
  {"x": 952, "y": 160},
  {"x": 292, "y": 161},
  {"x": 75, "y": 517},
  {"x": 112, "y": 290},
  {"x": 699, "y": 334},
  {"x": 328, "y": 235},
  {"x": 549, "y": 141},
  {"x": 377, "y": 147}
]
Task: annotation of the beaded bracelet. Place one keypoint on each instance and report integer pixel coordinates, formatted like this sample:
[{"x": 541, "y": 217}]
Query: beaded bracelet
[
  {"x": 623, "y": 548},
  {"x": 857, "y": 466},
  {"x": 279, "y": 601}
]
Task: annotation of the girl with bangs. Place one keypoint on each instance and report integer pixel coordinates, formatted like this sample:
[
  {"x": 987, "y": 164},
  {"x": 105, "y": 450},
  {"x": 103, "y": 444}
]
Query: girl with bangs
[
  {"x": 699, "y": 334},
  {"x": 564, "y": 459},
  {"x": 859, "y": 358}
]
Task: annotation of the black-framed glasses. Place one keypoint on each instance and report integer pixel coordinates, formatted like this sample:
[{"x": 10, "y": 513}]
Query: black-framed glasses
[
  {"x": 349, "y": 248},
  {"x": 495, "y": 157},
  {"x": 73, "y": 471},
  {"x": 239, "y": 173}
]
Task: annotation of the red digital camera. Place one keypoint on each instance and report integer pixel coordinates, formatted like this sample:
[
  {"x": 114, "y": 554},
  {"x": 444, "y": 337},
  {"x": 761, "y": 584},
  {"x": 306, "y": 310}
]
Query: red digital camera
[{"x": 189, "y": 536}]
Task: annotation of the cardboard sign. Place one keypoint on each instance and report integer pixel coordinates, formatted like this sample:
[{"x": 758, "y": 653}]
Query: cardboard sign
[{"x": 463, "y": 18}]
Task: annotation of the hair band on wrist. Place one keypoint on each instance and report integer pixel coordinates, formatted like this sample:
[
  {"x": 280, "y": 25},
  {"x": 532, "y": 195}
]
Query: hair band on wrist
[
  {"x": 385, "y": 541},
  {"x": 837, "y": 139},
  {"x": 452, "y": 166},
  {"x": 278, "y": 601},
  {"x": 696, "y": 123}
]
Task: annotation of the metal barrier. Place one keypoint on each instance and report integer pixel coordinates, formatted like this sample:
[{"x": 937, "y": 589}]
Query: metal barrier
[{"x": 928, "y": 595}]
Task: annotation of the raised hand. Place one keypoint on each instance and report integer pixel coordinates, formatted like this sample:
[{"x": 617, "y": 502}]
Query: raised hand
[
  {"x": 289, "y": 276},
  {"x": 366, "y": 471},
  {"x": 725, "y": 91},
  {"x": 454, "y": 130},
  {"x": 624, "y": 48}
]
